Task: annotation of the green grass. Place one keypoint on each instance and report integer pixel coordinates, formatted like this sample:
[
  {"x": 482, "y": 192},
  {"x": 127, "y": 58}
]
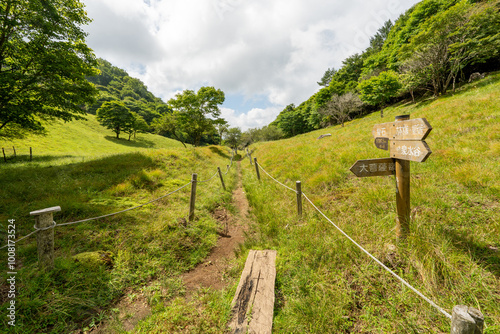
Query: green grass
[
  {"x": 149, "y": 244},
  {"x": 324, "y": 283},
  {"x": 77, "y": 141}
]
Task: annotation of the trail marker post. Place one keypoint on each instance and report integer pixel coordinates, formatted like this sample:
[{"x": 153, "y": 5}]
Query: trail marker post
[
  {"x": 403, "y": 138},
  {"x": 44, "y": 222}
]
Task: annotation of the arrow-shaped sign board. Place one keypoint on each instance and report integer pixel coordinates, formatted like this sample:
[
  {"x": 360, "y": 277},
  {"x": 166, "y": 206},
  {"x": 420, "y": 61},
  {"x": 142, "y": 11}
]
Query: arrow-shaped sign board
[
  {"x": 373, "y": 167},
  {"x": 411, "y": 129},
  {"x": 413, "y": 150}
]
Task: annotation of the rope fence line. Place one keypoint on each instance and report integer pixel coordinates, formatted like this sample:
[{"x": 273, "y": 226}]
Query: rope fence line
[
  {"x": 114, "y": 213},
  {"x": 295, "y": 191},
  {"x": 440, "y": 309}
]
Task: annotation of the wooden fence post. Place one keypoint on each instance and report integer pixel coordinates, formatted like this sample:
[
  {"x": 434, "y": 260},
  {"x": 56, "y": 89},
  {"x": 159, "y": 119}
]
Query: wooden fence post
[
  {"x": 192, "y": 199},
  {"x": 298, "y": 186},
  {"x": 402, "y": 192},
  {"x": 221, "y": 179},
  {"x": 14, "y": 149},
  {"x": 4, "y": 157},
  {"x": 44, "y": 221},
  {"x": 466, "y": 320},
  {"x": 249, "y": 156},
  {"x": 31, "y": 154},
  {"x": 257, "y": 168}
]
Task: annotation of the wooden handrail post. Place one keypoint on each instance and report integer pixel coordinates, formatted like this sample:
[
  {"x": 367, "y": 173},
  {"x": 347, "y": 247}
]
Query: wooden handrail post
[
  {"x": 466, "y": 320},
  {"x": 402, "y": 168},
  {"x": 298, "y": 186},
  {"x": 249, "y": 156},
  {"x": 44, "y": 221},
  {"x": 221, "y": 179},
  {"x": 257, "y": 168},
  {"x": 192, "y": 199},
  {"x": 31, "y": 154},
  {"x": 4, "y": 157},
  {"x": 14, "y": 149}
]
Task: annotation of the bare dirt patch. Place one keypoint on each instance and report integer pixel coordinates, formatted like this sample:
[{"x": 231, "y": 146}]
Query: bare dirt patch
[{"x": 211, "y": 273}]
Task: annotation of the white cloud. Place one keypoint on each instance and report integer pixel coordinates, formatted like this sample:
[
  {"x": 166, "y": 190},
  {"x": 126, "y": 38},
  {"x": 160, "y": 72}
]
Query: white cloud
[{"x": 278, "y": 49}]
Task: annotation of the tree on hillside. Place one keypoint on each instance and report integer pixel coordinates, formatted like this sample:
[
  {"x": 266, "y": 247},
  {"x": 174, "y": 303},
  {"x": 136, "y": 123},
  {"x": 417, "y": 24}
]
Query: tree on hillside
[
  {"x": 451, "y": 40},
  {"x": 137, "y": 124},
  {"x": 338, "y": 109},
  {"x": 221, "y": 126},
  {"x": 327, "y": 77},
  {"x": 380, "y": 89},
  {"x": 233, "y": 137},
  {"x": 166, "y": 125},
  {"x": 43, "y": 62},
  {"x": 115, "y": 116},
  {"x": 197, "y": 112}
]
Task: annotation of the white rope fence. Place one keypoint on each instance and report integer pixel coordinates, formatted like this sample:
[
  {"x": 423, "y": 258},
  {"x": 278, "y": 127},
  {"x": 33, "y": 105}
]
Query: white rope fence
[{"x": 366, "y": 252}]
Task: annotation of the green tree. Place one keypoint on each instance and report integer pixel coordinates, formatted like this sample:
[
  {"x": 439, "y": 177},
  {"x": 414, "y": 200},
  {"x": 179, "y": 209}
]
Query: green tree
[
  {"x": 233, "y": 137},
  {"x": 137, "y": 124},
  {"x": 44, "y": 62},
  {"x": 327, "y": 77},
  {"x": 197, "y": 112},
  {"x": 115, "y": 116},
  {"x": 380, "y": 89},
  {"x": 451, "y": 40},
  {"x": 167, "y": 125}
]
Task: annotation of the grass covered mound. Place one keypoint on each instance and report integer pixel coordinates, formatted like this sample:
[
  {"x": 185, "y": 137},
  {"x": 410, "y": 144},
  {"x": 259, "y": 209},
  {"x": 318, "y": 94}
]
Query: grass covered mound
[{"x": 325, "y": 284}]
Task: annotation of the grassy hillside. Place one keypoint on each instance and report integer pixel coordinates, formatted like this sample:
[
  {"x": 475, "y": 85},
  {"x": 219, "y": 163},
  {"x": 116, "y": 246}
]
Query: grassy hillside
[
  {"x": 80, "y": 140},
  {"x": 327, "y": 285},
  {"x": 146, "y": 248}
]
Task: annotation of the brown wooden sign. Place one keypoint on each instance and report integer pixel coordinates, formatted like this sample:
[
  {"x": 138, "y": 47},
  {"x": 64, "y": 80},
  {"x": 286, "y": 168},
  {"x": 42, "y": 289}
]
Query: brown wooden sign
[
  {"x": 382, "y": 143},
  {"x": 413, "y": 150},
  {"x": 411, "y": 129},
  {"x": 373, "y": 167}
]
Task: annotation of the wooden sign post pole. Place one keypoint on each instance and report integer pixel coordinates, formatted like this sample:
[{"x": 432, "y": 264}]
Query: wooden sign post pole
[{"x": 402, "y": 192}]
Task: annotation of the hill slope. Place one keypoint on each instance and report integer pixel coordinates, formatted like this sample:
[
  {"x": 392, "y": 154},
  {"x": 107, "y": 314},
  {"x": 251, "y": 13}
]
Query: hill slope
[
  {"x": 325, "y": 283},
  {"x": 86, "y": 139}
]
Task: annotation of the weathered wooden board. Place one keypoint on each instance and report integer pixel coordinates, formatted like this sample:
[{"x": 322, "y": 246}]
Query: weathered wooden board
[
  {"x": 411, "y": 129},
  {"x": 413, "y": 150},
  {"x": 373, "y": 167},
  {"x": 253, "y": 302},
  {"x": 382, "y": 143}
]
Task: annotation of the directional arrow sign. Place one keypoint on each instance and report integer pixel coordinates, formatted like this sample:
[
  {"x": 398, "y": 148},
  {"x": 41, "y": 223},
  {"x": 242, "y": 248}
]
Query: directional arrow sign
[
  {"x": 373, "y": 167},
  {"x": 411, "y": 129},
  {"x": 413, "y": 150}
]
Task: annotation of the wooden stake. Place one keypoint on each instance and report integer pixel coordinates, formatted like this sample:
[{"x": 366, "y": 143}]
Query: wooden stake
[
  {"x": 31, "y": 154},
  {"x": 14, "y": 149},
  {"x": 298, "y": 186},
  {"x": 402, "y": 192},
  {"x": 4, "y": 157},
  {"x": 192, "y": 199},
  {"x": 466, "y": 320},
  {"x": 45, "y": 237},
  {"x": 221, "y": 179},
  {"x": 257, "y": 168},
  {"x": 249, "y": 157}
]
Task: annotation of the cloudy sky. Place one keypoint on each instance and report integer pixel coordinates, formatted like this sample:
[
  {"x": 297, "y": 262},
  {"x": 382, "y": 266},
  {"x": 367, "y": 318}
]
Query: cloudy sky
[{"x": 264, "y": 54}]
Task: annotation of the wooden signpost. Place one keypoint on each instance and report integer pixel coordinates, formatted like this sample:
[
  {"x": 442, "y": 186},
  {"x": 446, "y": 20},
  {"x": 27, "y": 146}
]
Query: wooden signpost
[{"x": 403, "y": 138}]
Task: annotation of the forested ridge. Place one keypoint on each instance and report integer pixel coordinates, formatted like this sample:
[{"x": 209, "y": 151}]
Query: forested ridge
[{"x": 431, "y": 49}]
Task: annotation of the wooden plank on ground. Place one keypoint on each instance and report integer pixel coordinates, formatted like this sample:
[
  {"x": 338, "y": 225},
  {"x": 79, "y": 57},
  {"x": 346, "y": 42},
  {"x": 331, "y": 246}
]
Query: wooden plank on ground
[{"x": 253, "y": 302}]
